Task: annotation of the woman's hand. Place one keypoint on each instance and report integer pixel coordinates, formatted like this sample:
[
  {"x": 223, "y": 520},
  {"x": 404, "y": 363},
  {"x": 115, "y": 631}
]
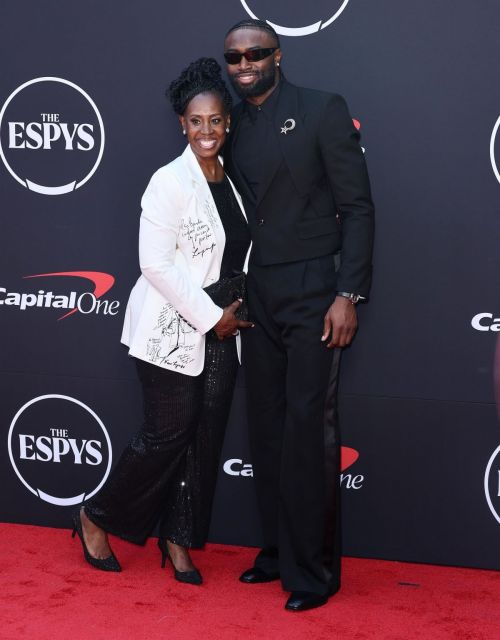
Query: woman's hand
[{"x": 229, "y": 324}]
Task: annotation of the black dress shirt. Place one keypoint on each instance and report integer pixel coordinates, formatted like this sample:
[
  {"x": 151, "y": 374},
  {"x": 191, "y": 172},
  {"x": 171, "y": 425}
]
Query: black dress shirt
[{"x": 256, "y": 143}]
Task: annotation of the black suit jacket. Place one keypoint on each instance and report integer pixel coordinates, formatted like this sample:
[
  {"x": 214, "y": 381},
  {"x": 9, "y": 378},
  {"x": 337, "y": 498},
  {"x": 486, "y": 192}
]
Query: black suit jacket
[{"x": 333, "y": 209}]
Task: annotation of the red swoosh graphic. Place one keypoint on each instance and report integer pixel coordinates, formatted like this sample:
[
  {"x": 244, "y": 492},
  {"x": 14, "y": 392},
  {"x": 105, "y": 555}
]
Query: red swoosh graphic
[
  {"x": 348, "y": 457},
  {"x": 102, "y": 282}
]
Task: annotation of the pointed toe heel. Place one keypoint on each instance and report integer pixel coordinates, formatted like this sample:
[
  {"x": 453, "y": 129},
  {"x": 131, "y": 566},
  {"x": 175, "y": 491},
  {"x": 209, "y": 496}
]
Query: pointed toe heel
[
  {"x": 104, "y": 564},
  {"x": 188, "y": 577}
]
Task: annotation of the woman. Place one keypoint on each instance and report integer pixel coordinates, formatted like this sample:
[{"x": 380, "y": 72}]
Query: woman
[{"x": 193, "y": 232}]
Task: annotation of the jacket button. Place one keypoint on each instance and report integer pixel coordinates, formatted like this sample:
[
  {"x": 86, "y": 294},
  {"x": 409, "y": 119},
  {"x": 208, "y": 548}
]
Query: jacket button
[{"x": 261, "y": 222}]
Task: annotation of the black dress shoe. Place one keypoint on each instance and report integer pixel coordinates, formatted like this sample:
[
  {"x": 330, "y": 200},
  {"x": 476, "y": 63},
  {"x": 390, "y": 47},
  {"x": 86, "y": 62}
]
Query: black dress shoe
[
  {"x": 256, "y": 575},
  {"x": 303, "y": 600}
]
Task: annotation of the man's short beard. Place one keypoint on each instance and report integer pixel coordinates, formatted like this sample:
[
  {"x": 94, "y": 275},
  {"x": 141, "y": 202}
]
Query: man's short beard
[{"x": 261, "y": 86}]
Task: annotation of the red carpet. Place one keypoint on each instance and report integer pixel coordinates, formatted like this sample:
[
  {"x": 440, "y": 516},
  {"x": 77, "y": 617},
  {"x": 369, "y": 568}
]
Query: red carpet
[{"x": 49, "y": 593}]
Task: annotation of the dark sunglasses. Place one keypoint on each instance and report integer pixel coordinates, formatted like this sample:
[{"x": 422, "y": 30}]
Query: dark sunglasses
[{"x": 254, "y": 55}]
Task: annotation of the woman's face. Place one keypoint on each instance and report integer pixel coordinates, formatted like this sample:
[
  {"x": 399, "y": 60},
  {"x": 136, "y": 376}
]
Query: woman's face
[{"x": 205, "y": 123}]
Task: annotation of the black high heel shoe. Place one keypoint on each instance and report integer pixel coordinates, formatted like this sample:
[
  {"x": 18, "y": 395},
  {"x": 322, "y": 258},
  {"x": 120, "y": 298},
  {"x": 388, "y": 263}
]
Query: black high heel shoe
[
  {"x": 104, "y": 564},
  {"x": 189, "y": 577}
]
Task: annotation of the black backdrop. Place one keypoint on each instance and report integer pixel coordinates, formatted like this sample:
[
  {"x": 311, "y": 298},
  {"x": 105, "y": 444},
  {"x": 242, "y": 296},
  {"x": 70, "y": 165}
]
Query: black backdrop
[{"x": 418, "y": 387}]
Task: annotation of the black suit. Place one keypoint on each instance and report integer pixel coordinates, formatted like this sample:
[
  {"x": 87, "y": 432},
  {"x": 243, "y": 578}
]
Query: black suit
[{"x": 313, "y": 201}]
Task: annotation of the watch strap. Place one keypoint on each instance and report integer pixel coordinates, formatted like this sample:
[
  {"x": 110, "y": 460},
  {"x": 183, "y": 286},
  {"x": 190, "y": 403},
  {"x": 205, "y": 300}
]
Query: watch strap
[{"x": 353, "y": 298}]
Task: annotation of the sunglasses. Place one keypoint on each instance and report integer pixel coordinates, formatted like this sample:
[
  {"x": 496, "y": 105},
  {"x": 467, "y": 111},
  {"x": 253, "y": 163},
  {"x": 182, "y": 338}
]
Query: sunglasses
[{"x": 254, "y": 55}]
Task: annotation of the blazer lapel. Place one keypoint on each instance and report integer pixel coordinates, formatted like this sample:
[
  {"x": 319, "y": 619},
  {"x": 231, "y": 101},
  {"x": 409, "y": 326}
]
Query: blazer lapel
[
  {"x": 205, "y": 199},
  {"x": 288, "y": 138},
  {"x": 238, "y": 198},
  {"x": 290, "y": 131},
  {"x": 271, "y": 163},
  {"x": 232, "y": 168},
  {"x": 284, "y": 146}
]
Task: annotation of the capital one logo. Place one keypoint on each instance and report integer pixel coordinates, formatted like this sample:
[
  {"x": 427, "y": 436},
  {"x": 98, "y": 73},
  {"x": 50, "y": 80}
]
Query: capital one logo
[
  {"x": 88, "y": 302},
  {"x": 300, "y": 20},
  {"x": 485, "y": 322},
  {"x": 59, "y": 449},
  {"x": 51, "y": 136},
  {"x": 348, "y": 456},
  {"x": 357, "y": 125},
  {"x": 493, "y": 150}
]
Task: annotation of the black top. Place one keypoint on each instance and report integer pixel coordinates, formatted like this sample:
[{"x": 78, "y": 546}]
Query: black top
[
  {"x": 235, "y": 228},
  {"x": 257, "y": 143}
]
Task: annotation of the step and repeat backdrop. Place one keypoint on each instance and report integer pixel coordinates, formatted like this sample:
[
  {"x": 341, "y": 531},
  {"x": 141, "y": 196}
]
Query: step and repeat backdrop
[{"x": 83, "y": 125}]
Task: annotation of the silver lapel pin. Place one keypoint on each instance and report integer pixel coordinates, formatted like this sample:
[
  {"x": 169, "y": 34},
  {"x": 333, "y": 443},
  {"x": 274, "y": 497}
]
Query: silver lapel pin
[{"x": 288, "y": 125}]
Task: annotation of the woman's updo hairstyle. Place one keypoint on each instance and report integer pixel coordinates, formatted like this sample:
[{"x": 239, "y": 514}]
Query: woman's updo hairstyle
[{"x": 202, "y": 76}]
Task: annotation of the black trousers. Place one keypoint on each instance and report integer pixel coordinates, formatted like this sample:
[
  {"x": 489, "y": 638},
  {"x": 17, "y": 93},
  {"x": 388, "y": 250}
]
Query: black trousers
[
  {"x": 168, "y": 471},
  {"x": 292, "y": 387}
]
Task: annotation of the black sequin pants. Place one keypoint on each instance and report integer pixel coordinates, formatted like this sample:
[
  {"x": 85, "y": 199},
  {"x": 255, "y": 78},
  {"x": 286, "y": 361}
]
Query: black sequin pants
[{"x": 167, "y": 472}]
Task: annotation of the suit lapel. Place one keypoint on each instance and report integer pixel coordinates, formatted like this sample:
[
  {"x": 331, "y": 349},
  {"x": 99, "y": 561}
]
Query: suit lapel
[
  {"x": 283, "y": 147},
  {"x": 232, "y": 167},
  {"x": 288, "y": 137},
  {"x": 238, "y": 198},
  {"x": 289, "y": 128},
  {"x": 271, "y": 163},
  {"x": 205, "y": 200}
]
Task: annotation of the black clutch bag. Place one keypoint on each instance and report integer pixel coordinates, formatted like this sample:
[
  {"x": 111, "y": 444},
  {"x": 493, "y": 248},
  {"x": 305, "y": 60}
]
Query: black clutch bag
[{"x": 226, "y": 290}]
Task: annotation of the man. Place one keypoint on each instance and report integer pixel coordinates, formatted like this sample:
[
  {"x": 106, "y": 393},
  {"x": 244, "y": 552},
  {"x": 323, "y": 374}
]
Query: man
[{"x": 295, "y": 157}]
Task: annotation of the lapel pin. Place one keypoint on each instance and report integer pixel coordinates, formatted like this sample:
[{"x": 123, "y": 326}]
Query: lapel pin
[{"x": 288, "y": 125}]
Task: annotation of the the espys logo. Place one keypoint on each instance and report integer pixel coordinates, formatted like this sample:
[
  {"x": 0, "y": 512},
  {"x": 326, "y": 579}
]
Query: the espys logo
[
  {"x": 492, "y": 484},
  {"x": 59, "y": 449},
  {"x": 303, "y": 13},
  {"x": 51, "y": 136},
  {"x": 493, "y": 150},
  {"x": 348, "y": 456},
  {"x": 88, "y": 302}
]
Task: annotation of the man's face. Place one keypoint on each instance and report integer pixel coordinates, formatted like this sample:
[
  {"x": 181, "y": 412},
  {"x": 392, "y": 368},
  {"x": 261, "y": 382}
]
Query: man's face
[{"x": 252, "y": 79}]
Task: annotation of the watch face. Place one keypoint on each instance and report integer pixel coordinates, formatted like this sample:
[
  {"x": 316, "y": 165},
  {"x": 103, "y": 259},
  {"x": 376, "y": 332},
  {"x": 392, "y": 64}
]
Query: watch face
[{"x": 353, "y": 297}]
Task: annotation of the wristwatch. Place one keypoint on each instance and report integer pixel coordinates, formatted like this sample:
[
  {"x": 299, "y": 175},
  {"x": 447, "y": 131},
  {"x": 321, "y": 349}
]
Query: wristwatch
[{"x": 353, "y": 298}]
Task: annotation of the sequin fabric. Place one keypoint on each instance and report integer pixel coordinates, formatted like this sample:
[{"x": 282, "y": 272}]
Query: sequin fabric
[{"x": 167, "y": 472}]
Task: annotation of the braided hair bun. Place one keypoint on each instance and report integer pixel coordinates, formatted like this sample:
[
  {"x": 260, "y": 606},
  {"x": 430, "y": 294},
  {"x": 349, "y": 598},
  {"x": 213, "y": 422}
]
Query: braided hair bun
[{"x": 201, "y": 76}]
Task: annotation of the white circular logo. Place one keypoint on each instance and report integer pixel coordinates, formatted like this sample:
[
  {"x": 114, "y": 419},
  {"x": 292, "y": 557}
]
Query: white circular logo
[
  {"x": 492, "y": 149},
  {"x": 492, "y": 484},
  {"x": 59, "y": 449},
  {"x": 51, "y": 136},
  {"x": 338, "y": 8}
]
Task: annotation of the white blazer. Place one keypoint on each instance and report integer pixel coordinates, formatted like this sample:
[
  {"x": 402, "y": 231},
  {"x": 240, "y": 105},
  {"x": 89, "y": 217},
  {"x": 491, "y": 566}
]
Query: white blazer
[{"x": 181, "y": 243}]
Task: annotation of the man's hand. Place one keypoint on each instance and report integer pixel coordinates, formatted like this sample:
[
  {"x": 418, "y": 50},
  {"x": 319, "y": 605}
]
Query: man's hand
[
  {"x": 341, "y": 322},
  {"x": 229, "y": 325}
]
